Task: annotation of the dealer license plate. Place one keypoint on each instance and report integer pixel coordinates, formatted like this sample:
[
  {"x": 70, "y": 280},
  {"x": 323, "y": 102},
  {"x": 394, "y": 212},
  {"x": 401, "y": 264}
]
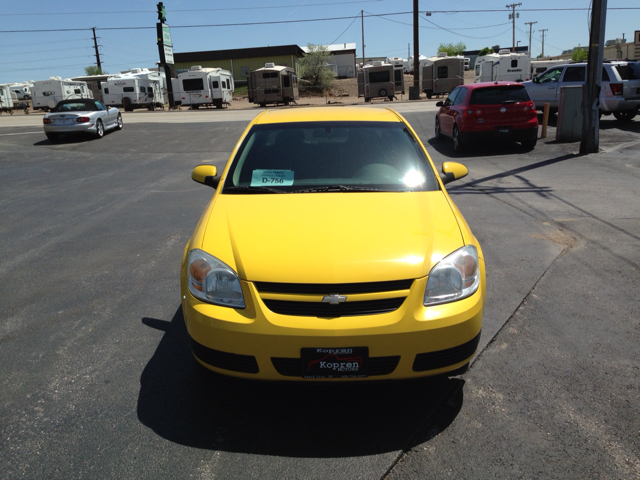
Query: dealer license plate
[
  {"x": 343, "y": 362},
  {"x": 64, "y": 121},
  {"x": 503, "y": 129}
]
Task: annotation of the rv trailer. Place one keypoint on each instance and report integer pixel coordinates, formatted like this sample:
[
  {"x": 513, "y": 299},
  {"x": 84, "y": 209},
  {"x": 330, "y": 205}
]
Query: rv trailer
[
  {"x": 207, "y": 87},
  {"x": 7, "y": 99},
  {"x": 377, "y": 80},
  {"x": 45, "y": 94},
  {"x": 273, "y": 84},
  {"x": 441, "y": 74},
  {"x": 398, "y": 73},
  {"x": 502, "y": 66},
  {"x": 138, "y": 88}
]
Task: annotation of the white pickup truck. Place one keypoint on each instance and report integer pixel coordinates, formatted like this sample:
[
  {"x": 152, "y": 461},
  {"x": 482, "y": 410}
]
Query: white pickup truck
[{"x": 620, "y": 94}]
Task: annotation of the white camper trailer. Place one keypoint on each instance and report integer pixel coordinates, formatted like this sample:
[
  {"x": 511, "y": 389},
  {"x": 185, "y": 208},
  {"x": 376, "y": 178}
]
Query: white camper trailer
[
  {"x": 539, "y": 66},
  {"x": 45, "y": 94},
  {"x": 273, "y": 84},
  {"x": 502, "y": 66},
  {"x": 138, "y": 88},
  {"x": 441, "y": 74},
  {"x": 206, "y": 87},
  {"x": 377, "y": 80},
  {"x": 7, "y": 99}
]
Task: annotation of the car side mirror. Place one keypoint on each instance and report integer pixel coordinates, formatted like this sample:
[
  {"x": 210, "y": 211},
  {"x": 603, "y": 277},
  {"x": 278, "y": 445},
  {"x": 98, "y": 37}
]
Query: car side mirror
[
  {"x": 453, "y": 171},
  {"x": 439, "y": 104},
  {"x": 206, "y": 175},
  {"x": 535, "y": 80}
]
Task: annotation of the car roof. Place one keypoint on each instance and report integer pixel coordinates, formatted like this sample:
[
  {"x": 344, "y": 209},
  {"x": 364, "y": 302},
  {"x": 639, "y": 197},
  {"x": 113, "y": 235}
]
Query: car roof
[{"x": 328, "y": 114}]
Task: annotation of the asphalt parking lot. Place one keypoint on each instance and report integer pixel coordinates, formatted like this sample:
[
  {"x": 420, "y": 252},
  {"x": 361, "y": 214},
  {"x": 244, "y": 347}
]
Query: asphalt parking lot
[{"x": 98, "y": 380}]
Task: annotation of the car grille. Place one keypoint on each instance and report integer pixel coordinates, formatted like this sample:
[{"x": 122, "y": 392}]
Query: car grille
[
  {"x": 327, "y": 310},
  {"x": 317, "y": 309},
  {"x": 291, "y": 367},
  {"x": 225, "y": 360},
  {"x": 329, "y": 288},
  {"x": 444, "y": 358}
]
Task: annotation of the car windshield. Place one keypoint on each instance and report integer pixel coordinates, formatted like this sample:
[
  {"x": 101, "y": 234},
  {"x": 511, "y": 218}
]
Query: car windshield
[
  {"x": 499, "y": 94},
  {"x": 328, "y": 157},
  {"x": 75, "y": 106}
]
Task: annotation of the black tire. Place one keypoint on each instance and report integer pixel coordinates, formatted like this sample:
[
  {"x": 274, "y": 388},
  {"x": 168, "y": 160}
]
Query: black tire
[
  {"x": 99, "y": 129},
  {"x": 126, "y": 103},
  {"x": 429, "y": 94},
  {"x": 458, "y": 145},
  {"x": 53, "y": 137},
  {"x": 390, "y": 98},
  {"x": 367, "y": 99},
  {"x": 152, "y": 107},
  {"x": 382, "y": 93},
  {"x": 219, "y": 104},
  {"x": 625, "y": 116},
  {"x": 529, "y": 145},
  {"x": 438, "y": 133},
  {"x": 119, "y": 122}
]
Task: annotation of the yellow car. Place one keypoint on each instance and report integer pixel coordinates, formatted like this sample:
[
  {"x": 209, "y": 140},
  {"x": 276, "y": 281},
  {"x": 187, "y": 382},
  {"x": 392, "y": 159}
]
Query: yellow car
[{"x": 331, "y": 251}]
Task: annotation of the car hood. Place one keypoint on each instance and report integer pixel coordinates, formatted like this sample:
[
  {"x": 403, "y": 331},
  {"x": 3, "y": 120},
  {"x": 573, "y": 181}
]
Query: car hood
[{"x": 331, "y": 237}]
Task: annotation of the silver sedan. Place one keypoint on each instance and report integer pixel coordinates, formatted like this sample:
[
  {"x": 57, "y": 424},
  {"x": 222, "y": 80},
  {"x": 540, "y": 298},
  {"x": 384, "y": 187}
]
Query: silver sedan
[{"x": 81, "y": 116}]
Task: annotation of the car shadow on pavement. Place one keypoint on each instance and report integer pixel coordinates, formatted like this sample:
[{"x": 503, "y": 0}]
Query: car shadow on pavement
[
  {"x": 185, "y": 403},
  {"x": 479, "y": 149}
]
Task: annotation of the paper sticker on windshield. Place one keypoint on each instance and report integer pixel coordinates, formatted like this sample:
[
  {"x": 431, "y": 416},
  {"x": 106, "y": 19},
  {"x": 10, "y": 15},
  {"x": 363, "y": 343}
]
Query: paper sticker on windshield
[{"x": 266, "y": 178}]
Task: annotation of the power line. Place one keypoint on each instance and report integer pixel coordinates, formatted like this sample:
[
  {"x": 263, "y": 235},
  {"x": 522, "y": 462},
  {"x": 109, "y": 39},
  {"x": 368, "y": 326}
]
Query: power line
[
  {"x": 467, "y": 36},
  {"x": 354, "y": 19}
]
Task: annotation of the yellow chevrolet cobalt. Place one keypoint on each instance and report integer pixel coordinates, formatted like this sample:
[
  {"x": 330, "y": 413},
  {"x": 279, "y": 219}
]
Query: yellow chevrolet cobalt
[{"x": 331, "y": 251}]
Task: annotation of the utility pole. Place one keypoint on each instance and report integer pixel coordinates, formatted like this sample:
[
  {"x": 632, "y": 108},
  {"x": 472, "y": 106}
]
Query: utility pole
[
  {"x": 95, "y": 45},
  {"x": 530, "y": 25},
  {"x": 543, "y": 30},
  {"x": 513, "y": 16},
  {"x": 414, "y": 92},
  {"x": 590, "y": 142},
  {"x": 362, "y": 20}
]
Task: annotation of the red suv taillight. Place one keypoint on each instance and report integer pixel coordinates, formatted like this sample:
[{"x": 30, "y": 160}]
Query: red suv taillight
[
  {"x": 46, "y": 121},
  {"x": 616, "y": 88},
  {"x": 82, "y": 119}
]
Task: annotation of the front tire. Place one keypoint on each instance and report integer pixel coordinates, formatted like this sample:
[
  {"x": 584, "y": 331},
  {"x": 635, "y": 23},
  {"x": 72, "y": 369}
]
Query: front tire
[
  {"x": 120, "y": 124},
  {"x": 625, "y": 116},
  {"x": 99, "y": 129},
  {"x": 438, "y": 133},
  {"x": 458, "y": 145}
]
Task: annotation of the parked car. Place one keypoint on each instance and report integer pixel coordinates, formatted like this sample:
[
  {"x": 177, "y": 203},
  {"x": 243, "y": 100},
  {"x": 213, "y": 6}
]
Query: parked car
[
  {"x": 488, "y": 111},
  {"x": 331, "y": 251},
  {"x": 81, "y": 116},
  {"x": 620, "y": 94}
]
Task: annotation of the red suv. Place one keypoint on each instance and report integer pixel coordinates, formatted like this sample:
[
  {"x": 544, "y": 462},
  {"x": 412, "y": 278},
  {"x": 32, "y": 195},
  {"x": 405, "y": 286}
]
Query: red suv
[{"x": 488, "y": 111}]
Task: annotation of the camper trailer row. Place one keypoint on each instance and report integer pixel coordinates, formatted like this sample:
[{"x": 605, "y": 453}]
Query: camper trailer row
[{"x": 203, "y": 87}]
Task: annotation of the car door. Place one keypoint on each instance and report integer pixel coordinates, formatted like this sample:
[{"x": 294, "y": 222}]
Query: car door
[
  {"x": 446, "y": 114},
  {"x": 545, "y": 88}
]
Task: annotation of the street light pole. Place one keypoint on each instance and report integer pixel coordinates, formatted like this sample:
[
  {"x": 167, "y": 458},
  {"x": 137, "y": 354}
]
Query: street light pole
[{"x": 543, "y": 30}]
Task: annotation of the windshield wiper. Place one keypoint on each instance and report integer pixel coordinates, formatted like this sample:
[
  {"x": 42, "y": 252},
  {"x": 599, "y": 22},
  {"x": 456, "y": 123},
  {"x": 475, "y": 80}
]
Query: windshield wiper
[
  {"x": 341, "y": 188},
  {"x": 252, "y": 190},
  {"x": 510, "y": 101}
]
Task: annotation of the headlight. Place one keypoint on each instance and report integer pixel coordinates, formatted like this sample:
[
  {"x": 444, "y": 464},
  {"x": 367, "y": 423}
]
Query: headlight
[
  {"x": 455, "y": 277},
  {"x": 213, "y": 281}
]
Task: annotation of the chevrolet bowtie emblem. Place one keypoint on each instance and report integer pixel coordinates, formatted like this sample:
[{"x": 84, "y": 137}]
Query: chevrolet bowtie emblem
[{"x": 334, "y": 299}]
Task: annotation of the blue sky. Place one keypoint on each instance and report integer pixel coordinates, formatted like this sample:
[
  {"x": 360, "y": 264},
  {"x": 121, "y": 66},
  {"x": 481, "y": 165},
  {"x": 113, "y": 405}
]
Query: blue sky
[{"x": 125, "y": 42}]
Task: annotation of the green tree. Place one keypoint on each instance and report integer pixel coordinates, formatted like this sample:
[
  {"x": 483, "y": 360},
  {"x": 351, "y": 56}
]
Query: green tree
[
  {"x": 485, "y": 51},
  {"x": 93, "y": 70},
  {"x": 313, "y": 66},
  {"x": 451, "y": 49},
  {"x": 579, "y": 54}
]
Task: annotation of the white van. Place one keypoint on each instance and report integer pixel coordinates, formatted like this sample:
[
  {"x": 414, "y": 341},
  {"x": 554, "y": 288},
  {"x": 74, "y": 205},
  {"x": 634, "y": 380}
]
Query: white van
[{"x": 204, "y": 86}]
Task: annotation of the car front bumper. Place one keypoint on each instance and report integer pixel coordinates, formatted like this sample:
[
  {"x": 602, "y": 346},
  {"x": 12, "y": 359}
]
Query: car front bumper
[{"x": 412, "y": 341}]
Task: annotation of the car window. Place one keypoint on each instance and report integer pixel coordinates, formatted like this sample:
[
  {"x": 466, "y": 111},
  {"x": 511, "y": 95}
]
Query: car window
[
  {"x": 75, "y": 106},
  {"x": 552, "y": 75},
  {"x": 462, "y": 92},
  {"x": 628, "y": 72},
  {"x": 100, "y": 105},
  {"x": 307, "y": 155},
  {"x": 575, "y": 74},
  {"x": 605, "y": 75},
  {"x": 499, "y": 94},
  {"x": 452, "y": 97}
]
